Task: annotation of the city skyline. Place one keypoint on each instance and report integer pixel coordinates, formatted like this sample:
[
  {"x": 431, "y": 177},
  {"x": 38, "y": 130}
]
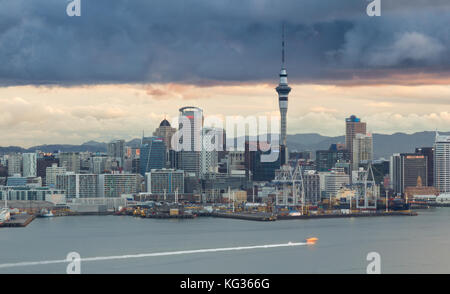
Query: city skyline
[{"x": 224, "y": 137}]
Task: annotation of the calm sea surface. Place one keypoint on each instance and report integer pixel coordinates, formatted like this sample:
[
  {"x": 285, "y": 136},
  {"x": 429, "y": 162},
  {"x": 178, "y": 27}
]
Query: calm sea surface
[{"x": 419, "y": 244}]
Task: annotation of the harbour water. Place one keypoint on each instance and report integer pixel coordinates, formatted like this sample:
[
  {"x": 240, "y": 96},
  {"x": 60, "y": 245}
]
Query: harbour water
[{"x": 417, "y": 244}]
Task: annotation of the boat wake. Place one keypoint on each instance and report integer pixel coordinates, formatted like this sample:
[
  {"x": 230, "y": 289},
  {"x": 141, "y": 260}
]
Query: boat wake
[{"x": 155, "y": 254}]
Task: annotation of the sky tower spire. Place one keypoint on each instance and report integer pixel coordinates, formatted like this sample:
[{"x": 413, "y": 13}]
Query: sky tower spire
[
  {"x": 283, "y": 91},
  {"x": 282, "y": 47}
]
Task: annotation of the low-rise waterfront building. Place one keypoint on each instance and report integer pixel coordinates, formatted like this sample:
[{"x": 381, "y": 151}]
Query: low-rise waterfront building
[
  {"x": 160, "y": 181},
  {"x": 78, "y": 185},
  {"x": 116, "y": 184}
]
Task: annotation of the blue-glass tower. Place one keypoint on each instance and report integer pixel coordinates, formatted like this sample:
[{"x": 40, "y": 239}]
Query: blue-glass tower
[{"x": 152, "y": 154}]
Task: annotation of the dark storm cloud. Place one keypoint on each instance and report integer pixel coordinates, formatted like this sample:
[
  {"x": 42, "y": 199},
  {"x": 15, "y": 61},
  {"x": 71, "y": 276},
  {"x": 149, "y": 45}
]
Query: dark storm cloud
[{"x": 208, "y": 41}]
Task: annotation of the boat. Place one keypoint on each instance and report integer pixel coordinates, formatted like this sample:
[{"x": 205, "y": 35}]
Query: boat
[
  {"x": 398, "y": 204},
  {"x": 312, "y": 241},
  {"x": 46, "y": 213},
  {"x": 443, "y": 199},
  {"x": 295, "y": 213},
  {"x": 5, "y": 215}
]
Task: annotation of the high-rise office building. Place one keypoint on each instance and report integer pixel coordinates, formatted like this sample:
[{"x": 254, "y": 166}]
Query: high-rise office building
[
  {"x": 327, "y": 159},
  {"x": 223, "y": 143},
  {"x": 209, "y": 155},
  {"x": 442, "y": 163},
  {"x": 70, "y": 160},
  {"x": 362, "y": 149},
  {"x": 189, "y": 139},
  {"x": 152, "y": 154},
  {"x": 236, "y": 162},
  {"x": 395, "y": 173},
  {"x": 14, "y": 164},
  {"x": 353, "y": 126},
  {"x": 190, "y": 125},
  {"x": 111, "y": 164},
  {"x": 43, "y": 162},
  {"x": 135, "y": 165},
  {"x": 116, "y": 150},
  {"x": 283, "y": 91},
  {"x": 29, "y": 164},
  {"x": 165, "y": 131},
  {"x": 132, "y": 152},
  {"x": 51, "y": 173},
  {"x": 260, "y": 170},
  {"x": 98, "y": 164},
  {"x": 4, "y": 160},
  {"x": 85, "y": 162},
  {"x": 429, "y": 153},
  {"x": 312, "y": 187},
  {"x": 406, "y": 169}
]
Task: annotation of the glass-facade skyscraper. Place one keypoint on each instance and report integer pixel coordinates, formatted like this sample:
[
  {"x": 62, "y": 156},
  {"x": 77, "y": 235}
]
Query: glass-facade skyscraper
[
  {"x": 353, "y": 126},
  {"x": 442, "y": 163},
  {"x": 152, "y": 154},
  {"x": 189, "y": 151}
]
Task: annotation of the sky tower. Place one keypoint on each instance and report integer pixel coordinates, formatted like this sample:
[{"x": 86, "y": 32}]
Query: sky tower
[{"x": 283, "y": 92}]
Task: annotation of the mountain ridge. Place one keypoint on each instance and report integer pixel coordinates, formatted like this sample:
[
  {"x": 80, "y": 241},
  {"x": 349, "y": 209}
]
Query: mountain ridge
[{"x": 384, "y": 144}]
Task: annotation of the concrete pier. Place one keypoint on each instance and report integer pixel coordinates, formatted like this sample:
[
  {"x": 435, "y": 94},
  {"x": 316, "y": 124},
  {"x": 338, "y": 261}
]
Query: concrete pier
[
  {"x": 360, "y": 214},
  {"x": 260, "y": 216},
  {"x": 18, "y": 220}
]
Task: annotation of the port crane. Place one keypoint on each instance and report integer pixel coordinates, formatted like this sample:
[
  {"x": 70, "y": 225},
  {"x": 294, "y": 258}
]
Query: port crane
[
  {"x": 293, "y": 177},
  {"x": 367, "y": 184}
]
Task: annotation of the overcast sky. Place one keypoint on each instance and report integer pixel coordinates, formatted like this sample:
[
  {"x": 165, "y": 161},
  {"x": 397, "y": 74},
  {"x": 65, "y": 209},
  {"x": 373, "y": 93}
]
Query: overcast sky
[{"x": 122, "y": 66}]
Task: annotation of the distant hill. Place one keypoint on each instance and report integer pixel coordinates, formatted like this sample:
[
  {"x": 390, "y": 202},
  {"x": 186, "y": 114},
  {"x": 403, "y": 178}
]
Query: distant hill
[
  {"x": 384, "y": 145},
  {"x": 311, "y": 142},
  {"x": 68, "y": 148},
  {"x": 95, "y": 144},
  {"x": 134, "y": 143},
  {"x": 12, "y": 149}
]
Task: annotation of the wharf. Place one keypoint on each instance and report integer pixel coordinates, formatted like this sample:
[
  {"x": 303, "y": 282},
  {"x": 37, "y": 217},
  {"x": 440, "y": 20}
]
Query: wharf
[
  {"x": 349, "y": 215},
  {"x": 439, "y": 204},
  {"x": 18, "y": 221},
  {"x": 169, "y": 216},
  {"x": 428, "y": 205},
  {"x": 260, "y": 216},
  {"x": 78, "y": 213}
]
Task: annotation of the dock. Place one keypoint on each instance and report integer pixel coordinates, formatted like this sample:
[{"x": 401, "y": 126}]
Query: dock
[
  {"x": 163, "y": 216},
  {"x": 79, "y": 213},
  {"x": 437, "y": 205},
  {"x": 261, "y": 216},
  {"x": 348, "y": 215},
  {"x": 18, "y": 221},
  {"x": 272, "y": 217}
]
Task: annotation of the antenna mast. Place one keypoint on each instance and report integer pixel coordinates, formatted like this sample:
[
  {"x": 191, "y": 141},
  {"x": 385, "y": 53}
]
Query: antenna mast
[{"x": 282, "y": 47}]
